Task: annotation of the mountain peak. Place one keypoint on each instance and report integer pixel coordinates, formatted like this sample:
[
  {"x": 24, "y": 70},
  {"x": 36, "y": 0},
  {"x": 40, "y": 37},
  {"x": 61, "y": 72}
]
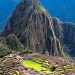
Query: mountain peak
[
  {"x": 30, "y": 1},
  {"x": 31, "y": 23}
]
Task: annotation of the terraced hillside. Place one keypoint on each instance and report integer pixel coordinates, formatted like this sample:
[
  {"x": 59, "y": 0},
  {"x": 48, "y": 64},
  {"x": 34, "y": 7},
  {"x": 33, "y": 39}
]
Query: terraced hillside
[
  {"x": 37, "y": 64},
  {"x": 50, "y": 65}
]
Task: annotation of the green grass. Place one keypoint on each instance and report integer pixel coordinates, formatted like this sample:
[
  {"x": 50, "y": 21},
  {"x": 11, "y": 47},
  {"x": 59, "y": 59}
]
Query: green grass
[
  {"x": 39, "y": 64},
  {"x": 36, "y": 66},
  {"x": 69, "y": 67}
]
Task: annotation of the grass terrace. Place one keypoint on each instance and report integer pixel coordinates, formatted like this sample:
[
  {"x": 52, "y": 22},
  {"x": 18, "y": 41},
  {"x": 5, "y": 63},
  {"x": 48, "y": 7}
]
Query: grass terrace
[
  {"x": 43, "y": 65},
  {"x": 38, "y": 67}
]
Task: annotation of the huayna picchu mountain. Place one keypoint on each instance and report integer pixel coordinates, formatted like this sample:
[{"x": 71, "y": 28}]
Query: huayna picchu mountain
[
  {"x": 31, "y": 27},
  {"x": 31, "y": 23}
]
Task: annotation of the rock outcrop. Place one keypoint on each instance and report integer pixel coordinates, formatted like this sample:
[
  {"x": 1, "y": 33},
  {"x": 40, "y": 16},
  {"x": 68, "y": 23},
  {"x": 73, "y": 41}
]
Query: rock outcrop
[
  {"x": 31, "y": 23},
  {"x": 65, "y": 32},
  {"x": 69, "y": 37}
]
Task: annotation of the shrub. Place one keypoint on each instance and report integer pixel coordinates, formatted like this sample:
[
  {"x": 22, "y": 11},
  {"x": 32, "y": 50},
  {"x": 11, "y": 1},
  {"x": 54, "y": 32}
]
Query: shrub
[
  {"x": 14, "y": 43},
  {"x": 4, "y": 50},
  {"x": 53, "y": 68}
]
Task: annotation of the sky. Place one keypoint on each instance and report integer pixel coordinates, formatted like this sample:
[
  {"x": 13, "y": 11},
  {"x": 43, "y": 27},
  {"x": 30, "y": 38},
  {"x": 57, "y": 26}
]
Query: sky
[{"x": 63, "y": 9}]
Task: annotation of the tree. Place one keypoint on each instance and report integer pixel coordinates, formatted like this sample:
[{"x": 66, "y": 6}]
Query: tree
[
  {"x": 4, "y": 50},
  {"x": 13, "y": 42}
]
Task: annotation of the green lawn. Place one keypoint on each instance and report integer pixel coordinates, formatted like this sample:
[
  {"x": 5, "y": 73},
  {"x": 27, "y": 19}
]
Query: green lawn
[
  {"x": 39, "y": 64},
  {"x": 36, "y": 66}
]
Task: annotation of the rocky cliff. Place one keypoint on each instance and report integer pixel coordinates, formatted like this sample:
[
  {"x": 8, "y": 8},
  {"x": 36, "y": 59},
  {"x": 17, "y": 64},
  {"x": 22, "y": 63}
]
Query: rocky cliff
[
  {"x": 65, "y": 32},
  {"x": 31, "y": 23}
]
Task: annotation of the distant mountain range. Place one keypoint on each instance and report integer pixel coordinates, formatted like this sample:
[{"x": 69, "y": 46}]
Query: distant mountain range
[{"x": 62, "y": 9}]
